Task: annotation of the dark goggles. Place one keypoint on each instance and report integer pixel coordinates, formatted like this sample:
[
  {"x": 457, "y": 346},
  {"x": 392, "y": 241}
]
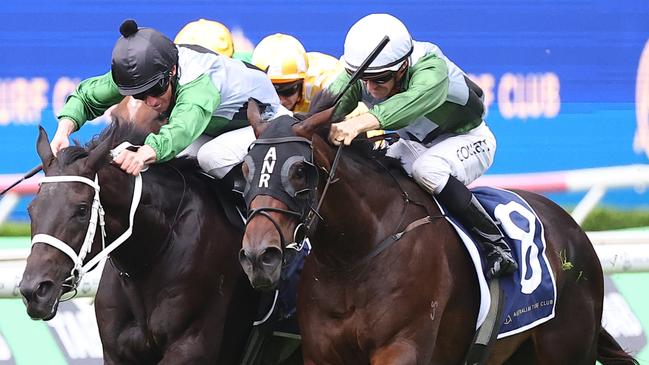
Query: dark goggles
[
  {"x": 289, "y": 88},
  {"x": 379, "y": 78},
  {"x": 376, "y": 77},
  {"x": 156, "y": 90}
]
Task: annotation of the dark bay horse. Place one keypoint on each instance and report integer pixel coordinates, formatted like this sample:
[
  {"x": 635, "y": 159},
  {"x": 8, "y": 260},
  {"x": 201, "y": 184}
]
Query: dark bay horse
[
  {"x": 414, "y": 301},
  {"x": 173, "y": 292}
]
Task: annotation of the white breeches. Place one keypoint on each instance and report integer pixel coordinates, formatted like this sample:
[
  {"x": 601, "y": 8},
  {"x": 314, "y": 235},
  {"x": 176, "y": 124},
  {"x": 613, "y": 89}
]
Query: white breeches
[
  {"x": 218, "y": 155},
  {"x": 465, "y": 156}
]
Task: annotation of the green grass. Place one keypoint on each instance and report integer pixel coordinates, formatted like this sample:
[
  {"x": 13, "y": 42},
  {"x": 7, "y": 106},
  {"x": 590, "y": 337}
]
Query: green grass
[
  {"x": 14, "y": 229},
  {"x": 604, "y": 219}
]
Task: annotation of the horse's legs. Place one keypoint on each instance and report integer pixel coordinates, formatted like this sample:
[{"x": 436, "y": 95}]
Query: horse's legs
[
  {"x": 189, "y": 350},
  {"x": 396, "y": 353},
  {"x": 121, "y": 339}
]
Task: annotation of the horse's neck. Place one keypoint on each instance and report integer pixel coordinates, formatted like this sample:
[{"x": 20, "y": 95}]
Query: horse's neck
[
  {"x": 362, "y": 208},
  {"x": 151, "y": 226}
]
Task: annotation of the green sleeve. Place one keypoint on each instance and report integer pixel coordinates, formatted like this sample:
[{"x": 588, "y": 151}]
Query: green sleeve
[
  {"x": 195, "y": 103},
  {"x": 352, "y": 96},
  {"x": 91, "y": 99},
  {"x": 427, "y": 89}
]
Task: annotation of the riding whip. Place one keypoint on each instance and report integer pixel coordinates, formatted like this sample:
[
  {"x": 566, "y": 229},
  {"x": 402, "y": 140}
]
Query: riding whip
[{"x": 29, "y": 174}]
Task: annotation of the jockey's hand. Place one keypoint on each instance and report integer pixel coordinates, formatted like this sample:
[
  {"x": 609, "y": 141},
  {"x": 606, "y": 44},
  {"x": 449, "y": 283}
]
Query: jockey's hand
[
  {"x": 346, "y": 131},
  {"x": 134, "y": 162},
  {"x": 60, "y": 140}
]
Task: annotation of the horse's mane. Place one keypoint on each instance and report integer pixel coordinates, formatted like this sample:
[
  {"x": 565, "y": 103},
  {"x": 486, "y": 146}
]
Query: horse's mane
[
  {"x": 118, "y": 132},
  {"x": 362, "y": 149}
]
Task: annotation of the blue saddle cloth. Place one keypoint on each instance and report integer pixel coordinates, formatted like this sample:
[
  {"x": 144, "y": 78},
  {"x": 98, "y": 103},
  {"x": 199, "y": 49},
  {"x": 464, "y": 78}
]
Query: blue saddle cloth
[{"x": 530, "y": 293}]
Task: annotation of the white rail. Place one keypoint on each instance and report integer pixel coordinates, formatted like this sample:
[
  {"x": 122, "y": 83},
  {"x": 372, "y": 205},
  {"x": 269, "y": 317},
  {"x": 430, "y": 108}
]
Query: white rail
[
  {"x": 596, "y": 181},
  {"x": 618, "y": 251}
]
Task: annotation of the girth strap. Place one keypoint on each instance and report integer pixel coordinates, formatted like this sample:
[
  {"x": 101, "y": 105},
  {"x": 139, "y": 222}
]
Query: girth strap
[{"x": 388, "y": 241}]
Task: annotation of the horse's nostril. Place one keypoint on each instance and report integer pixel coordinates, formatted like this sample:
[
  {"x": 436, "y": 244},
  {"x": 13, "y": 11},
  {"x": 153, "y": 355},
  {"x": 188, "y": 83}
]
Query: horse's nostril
[
  {"x": 271, "y": 256},
  {"x": 43, "y": 289}
]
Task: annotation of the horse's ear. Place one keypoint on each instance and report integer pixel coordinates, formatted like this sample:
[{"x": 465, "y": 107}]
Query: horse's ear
[
  {"x": 43, "y": 148},
  {"x": 254, "y": 118},
  {"x": 98, "y": 156},
  {"x": 307, "y": 127}
]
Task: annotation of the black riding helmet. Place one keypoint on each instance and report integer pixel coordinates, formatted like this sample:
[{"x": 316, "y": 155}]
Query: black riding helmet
[{"x": 142, "y": 57}]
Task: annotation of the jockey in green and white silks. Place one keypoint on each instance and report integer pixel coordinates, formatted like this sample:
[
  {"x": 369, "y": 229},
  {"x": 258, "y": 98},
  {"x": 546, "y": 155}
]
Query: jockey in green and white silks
[
  {"x": 413, "y": 88},
  {"x": 201, "y": 93}
]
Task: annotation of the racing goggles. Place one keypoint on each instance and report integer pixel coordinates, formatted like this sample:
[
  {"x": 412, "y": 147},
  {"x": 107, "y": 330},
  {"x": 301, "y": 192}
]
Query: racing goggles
[
  {"x": 156, "y": 90},
  {"x": 380, "y": 77},
  {"x": 288, "y": 89}
]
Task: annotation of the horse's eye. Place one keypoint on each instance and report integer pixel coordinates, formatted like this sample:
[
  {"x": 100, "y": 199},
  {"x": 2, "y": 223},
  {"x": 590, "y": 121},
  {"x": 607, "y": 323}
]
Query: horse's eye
[
  {"x": 300, "y": 173},
  {"x": 82, "y": 210}
]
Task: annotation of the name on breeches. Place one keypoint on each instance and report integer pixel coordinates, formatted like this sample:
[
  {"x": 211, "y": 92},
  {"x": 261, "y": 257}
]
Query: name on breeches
[{"x": 267, "y": 167}]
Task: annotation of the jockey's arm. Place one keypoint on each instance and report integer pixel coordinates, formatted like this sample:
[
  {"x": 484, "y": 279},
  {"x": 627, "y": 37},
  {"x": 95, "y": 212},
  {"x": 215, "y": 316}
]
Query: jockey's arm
[
  {"x": 191, "y": 115},
  {"x": 427, "y": 89},
  {"x": 91, "y": 99},
  {"x": 352, "y": 96}
]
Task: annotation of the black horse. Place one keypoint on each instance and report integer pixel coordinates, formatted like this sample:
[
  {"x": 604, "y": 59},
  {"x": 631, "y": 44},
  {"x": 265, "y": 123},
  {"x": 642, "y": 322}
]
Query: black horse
[{"x": 173, "y": 292}]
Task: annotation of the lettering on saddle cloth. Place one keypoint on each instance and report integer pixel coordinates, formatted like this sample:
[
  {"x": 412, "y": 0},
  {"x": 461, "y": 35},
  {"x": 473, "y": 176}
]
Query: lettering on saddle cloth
[{"x": 530, "y": 293}]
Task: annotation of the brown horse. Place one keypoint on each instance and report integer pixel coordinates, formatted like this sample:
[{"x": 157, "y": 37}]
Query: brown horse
[
  {"x": 414, "y": 301},
  {"x": 173, "y": 292}
]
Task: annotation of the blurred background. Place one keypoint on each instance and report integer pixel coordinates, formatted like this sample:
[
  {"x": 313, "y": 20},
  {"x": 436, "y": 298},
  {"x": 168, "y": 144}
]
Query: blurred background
[{"x": 566, "y": 85}]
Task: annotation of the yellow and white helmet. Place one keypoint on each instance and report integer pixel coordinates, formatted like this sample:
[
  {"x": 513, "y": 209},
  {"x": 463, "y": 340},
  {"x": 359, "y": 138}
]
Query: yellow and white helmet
[
  {"x": 209, "y": 34},
  {"x": 282, "y": 57}
]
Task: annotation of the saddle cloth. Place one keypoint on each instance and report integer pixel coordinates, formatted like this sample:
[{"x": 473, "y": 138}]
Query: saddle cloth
[{"x": 530, "y": 292}]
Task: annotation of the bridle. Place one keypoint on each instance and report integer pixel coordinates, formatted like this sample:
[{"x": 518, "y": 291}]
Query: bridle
[
  {"x": 308, "y": 215},
  {"x": 96, "y": 218}
]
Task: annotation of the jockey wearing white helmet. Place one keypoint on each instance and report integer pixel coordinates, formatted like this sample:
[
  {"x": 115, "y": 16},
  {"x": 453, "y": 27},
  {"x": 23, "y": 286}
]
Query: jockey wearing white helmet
[{"x": 413, "y": 88}]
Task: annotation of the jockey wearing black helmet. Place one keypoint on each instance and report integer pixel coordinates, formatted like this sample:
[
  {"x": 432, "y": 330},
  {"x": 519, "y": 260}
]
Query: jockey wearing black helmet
[
  {"x": 414, "y": 88},
  {"x": 202, "y": 93},
  {"x": 143, "y": 61}
]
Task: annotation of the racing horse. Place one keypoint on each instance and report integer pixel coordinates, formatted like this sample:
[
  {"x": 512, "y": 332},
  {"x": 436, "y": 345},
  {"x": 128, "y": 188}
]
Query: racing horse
[
  {"x": 381, "y": 285},
  {"x": 173, "y": 291}
]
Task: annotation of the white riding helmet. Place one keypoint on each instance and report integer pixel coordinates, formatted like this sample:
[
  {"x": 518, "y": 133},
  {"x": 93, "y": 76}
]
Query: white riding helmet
[{"x": 366, "y": 34}]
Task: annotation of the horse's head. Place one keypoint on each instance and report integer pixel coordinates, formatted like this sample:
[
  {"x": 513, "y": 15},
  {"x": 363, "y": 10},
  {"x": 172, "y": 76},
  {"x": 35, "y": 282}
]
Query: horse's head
[
  {"x": 61, "y": 212},
  {"x": 281, "y": 183}
]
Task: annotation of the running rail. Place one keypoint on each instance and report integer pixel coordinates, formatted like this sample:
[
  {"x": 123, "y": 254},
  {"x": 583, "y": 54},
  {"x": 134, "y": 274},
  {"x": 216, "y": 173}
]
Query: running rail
[
  {"x": 618, "y": 251},
  {"x": 596, "y": 181}
]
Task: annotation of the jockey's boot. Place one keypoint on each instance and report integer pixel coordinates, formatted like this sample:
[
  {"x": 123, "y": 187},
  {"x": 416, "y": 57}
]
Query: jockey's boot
[
  {"x": 464, "y": 206},
  {"x": 234, "y": 182}
]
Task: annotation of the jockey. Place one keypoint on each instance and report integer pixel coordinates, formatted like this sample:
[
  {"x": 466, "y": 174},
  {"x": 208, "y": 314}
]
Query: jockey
[
  {"x": 201, "y": 93},
  {"x": 413, "y": 87},
  {"x": 212, "y": 35},
  {"x": 296, "y": 74}
]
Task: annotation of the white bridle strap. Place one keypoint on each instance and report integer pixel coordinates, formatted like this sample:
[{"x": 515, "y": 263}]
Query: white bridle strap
[
  {"x": 97, "y": 214},
  {"x": 53, "y": 241},
  {"x": 81, "y": 179},
  {"x": 137, "y": 194}
]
